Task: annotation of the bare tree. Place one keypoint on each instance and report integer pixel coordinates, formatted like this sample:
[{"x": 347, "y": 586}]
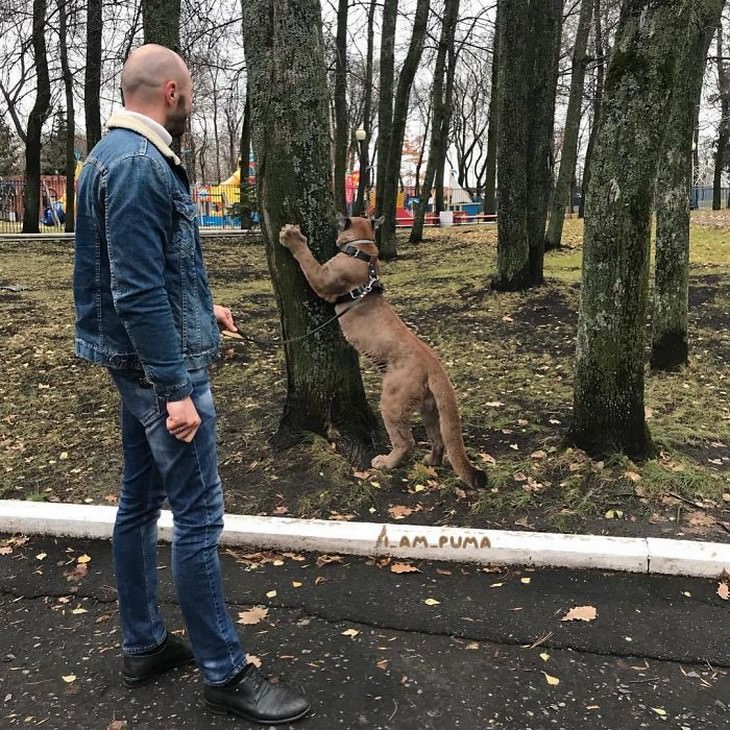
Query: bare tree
[
  {"x": 391, "y": 172},
  {"x": 569, "y": 156}
]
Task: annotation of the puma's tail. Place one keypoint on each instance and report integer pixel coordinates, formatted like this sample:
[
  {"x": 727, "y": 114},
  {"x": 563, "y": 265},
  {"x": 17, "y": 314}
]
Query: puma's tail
[{"x": 450, "y": 426}]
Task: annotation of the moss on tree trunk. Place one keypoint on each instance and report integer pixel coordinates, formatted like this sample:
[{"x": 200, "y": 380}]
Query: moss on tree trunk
[
  {"x": 669, "y": 349},
  {"x": 609, "y": 378}
]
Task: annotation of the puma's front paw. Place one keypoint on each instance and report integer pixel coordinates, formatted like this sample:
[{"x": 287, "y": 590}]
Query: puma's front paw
[{"x": 291, "y": 237}]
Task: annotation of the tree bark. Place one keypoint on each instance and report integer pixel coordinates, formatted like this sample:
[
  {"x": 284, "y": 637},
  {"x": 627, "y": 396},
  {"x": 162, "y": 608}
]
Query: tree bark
[
  {"x": 528, "y": 68},
  {"x": 245, "y": 189},
  {"x": 391, "y": 172},
  {"x": 342, "y": 133},
  {"x": 289, "y": 105},
  {"x": 385, "y": 98},
  {"x": 490, "y": 174},
  {"x": 362, "y": 203},
  {"x": 161, "y": 23},
  {"x": 92, "y": 73},
  {"x": 600, "y": 53},
  {"x": 723, "y": 132},
  {"x": 70, "y": 161},
  {"x": 442, "y": 89},
  {"x": 569, "y": 156},
  {"x": 669, "y": 348},
  {"x": 609, "y": 378},
  {"x": 36, "y": 120}
]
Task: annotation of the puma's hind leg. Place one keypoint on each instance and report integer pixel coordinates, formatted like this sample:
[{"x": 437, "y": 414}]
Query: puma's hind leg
[
  {"x": 396, "y": 408},
  {"x": 432, "y": 424}
]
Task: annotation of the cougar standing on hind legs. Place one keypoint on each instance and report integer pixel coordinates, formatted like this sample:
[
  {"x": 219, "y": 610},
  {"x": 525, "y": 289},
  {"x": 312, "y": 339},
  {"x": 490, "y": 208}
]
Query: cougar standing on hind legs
[{"x": 412, "y": 374}]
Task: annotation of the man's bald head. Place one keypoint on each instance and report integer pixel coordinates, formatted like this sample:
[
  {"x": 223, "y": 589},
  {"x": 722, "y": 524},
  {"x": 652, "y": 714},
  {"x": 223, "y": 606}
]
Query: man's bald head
[
  {"x": 156, "y": 82},
  {"x": 148, "y": 68}
]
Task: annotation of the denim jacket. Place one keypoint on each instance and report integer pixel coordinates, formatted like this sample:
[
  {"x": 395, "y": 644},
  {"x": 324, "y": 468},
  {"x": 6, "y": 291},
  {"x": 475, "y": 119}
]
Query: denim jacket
[{"x": 140, "y": 285}]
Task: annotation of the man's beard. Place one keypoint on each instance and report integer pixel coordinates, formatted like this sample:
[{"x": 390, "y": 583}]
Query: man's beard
[{"x": 177, "y": 119}]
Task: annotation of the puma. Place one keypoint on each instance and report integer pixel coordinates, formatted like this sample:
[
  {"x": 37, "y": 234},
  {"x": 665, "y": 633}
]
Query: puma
[{"x": 412, "y": 373}]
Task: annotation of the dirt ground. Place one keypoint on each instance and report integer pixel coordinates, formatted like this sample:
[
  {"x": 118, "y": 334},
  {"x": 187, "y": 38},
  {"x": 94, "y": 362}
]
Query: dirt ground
[{"x": 509, "y": 356}]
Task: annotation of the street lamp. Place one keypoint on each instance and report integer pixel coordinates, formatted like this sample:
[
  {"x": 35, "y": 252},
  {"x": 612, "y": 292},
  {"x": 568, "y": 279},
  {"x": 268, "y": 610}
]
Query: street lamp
[{"x": 361, "y": 204}]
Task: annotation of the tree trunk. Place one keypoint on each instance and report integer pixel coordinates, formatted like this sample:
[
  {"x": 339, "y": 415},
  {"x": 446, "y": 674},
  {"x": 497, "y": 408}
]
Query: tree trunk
[
  {"x": 609, "y": 378},
  {"x": 569, "y": 156},
  {"x": 528, "y": 68},
  {"x": 92, "y": 73},
  {"x": 391, "y": 172},
  {"x": 385, "y": 99},
  {"x": 342, "y": 133},
  {"x": 490, "y": 175},
  {"x": 289, "y": 104},
  {"x": 70, "y": 193},
  {"x": 245, "y": 191},
  {"x": 36, "y": 120},
  {"x": 161, "y": 23},
  {"x": 441, "y": 116},
  {"x": 362, "y": 202},
  {"x": 600, "y": 52},
  {"x": 723, "y": 132},
  {"x": 669, "y": 349}
]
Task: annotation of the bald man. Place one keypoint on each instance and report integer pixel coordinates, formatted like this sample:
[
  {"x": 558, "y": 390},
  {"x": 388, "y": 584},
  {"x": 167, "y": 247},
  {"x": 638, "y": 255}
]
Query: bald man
[{"x": 144, "y": 311}]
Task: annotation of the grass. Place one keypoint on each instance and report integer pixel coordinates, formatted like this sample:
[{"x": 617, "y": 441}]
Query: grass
[{"x": 510, "y": 357}]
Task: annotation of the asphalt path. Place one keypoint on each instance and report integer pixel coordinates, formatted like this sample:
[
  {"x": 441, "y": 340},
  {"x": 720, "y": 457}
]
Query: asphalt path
[{"x": 451, "y": 646}]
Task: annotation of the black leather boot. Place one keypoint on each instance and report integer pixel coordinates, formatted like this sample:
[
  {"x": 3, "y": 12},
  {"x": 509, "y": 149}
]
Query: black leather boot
[
  {"x": 138, "y": 669},
  {"x": 254, "y": 698}
]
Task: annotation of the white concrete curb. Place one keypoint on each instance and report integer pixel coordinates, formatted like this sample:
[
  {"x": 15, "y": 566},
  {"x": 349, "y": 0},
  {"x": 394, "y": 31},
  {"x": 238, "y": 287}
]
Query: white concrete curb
[{"x": 497, "y": 547}]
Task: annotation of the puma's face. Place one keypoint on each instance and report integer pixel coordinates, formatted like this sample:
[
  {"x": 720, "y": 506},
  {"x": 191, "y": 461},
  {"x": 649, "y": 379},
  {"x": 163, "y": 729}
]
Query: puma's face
[{"x": 357, "y": 229}]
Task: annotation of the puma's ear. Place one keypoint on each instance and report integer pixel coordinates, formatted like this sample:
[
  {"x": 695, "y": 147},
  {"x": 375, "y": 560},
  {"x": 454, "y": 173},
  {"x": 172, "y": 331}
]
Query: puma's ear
[
  {"x": 377, "y": 222},
  {"x": 343, "y": 222}
]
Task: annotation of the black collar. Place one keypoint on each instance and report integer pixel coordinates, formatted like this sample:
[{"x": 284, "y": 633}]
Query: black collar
[{"x": 350, "y": 250}]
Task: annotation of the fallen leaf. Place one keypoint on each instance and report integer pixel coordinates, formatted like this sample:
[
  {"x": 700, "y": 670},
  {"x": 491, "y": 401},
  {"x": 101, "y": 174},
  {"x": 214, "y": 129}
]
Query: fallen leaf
[
  {"x": 494, "y": 404},
  {"x": 282, "y": 509},
  {"x": 253, "y": 615},
  {"x": 253, "y": 659},
  {"x": 68, "y": 678},
  {"x": 432, "y": 602},
  {"x": 83, "y": 559},
  {"x": 660, "y": 711},
  {"x": 78, "y": 572},
  {"x": 382, "y": 664},
  {"x": 443, "y": 571},
  {"x": 5, "y": 550},
  {"x": 723, "y": 590},
  {"x": 328, "y": 560},
  {"x": 581, "y": 613},
  {"x": 271, "y": 594},
  {"x": 352, "y": 633},
  {"x": 77, "y": 611},
  {"x": 553, "y": 681},
  {"x": 538, "y": 454},
  {"x": 496, "y": 585},
  {"x": 117, "y": 725},
  {"x": 296, "y": 584},
  {"x": 632, "y": 476},
  {"x": 403, "y": 568},
  {"x": 544, "y": 656},
  {"x": 526, "y": 581},
  {"x": 472, "y": 645},
  {"x": 41, "y": 556},
  {"x": 399, "y": 511}
]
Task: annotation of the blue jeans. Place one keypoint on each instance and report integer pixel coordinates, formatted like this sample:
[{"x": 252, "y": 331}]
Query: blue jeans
[{"x": 159, "y": 466}]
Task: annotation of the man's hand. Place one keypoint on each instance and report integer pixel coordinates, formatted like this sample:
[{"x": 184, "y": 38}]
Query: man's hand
[
  {"x": 182, "y": 419},
  {"x": 224, "y": 317}
]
